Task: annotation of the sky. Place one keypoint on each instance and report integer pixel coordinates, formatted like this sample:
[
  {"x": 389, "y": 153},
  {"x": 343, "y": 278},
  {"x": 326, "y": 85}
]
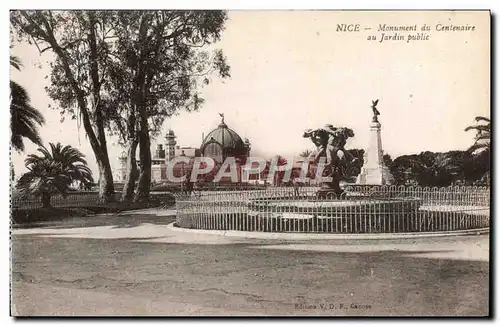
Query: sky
[{"x": 291, "y": 70}]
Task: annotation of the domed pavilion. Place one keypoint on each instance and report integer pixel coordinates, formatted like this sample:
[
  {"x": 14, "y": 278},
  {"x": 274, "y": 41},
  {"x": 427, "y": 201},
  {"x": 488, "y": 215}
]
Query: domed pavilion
[{"x": 224, "y": 142}]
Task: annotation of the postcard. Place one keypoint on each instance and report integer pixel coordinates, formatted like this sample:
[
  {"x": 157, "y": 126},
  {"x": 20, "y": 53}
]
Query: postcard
[{"x": 250, "y": 163}]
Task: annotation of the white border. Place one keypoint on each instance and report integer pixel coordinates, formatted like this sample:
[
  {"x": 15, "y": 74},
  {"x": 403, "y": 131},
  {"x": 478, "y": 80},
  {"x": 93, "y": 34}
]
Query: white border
[{"x": 190, "y": 4}]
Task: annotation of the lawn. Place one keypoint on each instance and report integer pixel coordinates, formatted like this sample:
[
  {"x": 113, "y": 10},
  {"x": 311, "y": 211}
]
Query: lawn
[{"x": 78, "y": 204}]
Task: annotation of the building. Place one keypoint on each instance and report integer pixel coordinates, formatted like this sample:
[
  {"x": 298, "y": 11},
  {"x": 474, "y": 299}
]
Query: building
[
  {"x": 219, "y": 144},
  {"x": 164, "y": 155},
  {"x": 223, "y": 142},
  {"x": 122, "y": 168}
]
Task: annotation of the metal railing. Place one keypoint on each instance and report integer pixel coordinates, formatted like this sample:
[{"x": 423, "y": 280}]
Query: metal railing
[{"x": 362, "y": 209}]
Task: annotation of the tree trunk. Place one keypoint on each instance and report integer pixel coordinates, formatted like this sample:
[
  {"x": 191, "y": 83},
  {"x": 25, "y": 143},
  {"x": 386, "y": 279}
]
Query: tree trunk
[
  {"x": 106, "y": 188},
  {"x": 132, "y": 173},
  {"x": 106, "y": 185},
  {"x": 46, "y": 200},
  {"x": 144, "y": 183},
  {"x": 139, "y": 100}
]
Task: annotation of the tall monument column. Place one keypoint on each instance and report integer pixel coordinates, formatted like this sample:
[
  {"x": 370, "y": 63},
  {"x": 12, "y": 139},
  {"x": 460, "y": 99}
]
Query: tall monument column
[{"x": 374, "y": 170}]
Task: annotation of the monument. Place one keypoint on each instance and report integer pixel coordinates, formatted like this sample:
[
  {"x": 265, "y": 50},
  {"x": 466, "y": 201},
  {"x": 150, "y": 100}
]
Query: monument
[
  {"x": 331, "y": 156},
  {"x": 374, "y": 170}
]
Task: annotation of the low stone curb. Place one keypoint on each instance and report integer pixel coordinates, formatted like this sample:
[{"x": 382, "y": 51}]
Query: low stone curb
[{"x": 318, "y": 236}]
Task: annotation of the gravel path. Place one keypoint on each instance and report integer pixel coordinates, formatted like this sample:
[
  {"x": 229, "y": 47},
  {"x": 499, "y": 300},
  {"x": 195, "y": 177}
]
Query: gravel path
[{"x": 133, "y": 264}]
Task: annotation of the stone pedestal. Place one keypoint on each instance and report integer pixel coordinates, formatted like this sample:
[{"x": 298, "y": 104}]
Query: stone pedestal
[
  {"x": 330, "y": 189},
  {"x": 328, "y": 193},
  {"x": 374, "y": 171}
]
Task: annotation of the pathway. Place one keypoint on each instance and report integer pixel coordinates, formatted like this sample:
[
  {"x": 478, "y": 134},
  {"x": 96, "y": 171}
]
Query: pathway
[{"x": 135, "y": 264}]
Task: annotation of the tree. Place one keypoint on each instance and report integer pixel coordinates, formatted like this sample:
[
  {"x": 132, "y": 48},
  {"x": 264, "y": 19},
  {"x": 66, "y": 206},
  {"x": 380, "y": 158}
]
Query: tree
[
  {"x": 402, "y": 169},
  {"x": 305, "y": 154},
  {"x": 265, "y": 171},
  {"x": 25, "y": 119},
  {"x": 125, "y": 72},
  {"x": 354, "y": 168},
  {"x": 482, "y": 140},
  {"x": 387, "y": 160},
  {"x": 421, "y": 168},
  {"x": 445, "y": 168},
  {"x": 79, "y": 41},
  {"x": 279, "y": 175},
  {"x": 53, "y": 172},
  {"x": 281, "y": 161},
  {"x": 15, "y": 62},
  {"x": 434, "y": 169},
  {"x": 481, "y": 149},
  {"x": 161, "y": 54}
]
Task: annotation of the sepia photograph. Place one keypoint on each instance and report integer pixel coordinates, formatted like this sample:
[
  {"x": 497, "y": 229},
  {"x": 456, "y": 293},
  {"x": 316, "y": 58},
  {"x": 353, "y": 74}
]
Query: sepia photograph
[{"x": 244, "y": 163}]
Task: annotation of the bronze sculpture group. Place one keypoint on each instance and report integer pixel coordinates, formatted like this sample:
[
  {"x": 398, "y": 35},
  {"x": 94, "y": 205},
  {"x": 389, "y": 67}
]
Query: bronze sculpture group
[{"x": 330, "y": 151}]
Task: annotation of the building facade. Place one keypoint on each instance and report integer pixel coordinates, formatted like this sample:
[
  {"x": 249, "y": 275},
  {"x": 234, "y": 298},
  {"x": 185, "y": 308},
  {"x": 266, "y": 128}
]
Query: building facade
[{"x": 219, "y": 144}]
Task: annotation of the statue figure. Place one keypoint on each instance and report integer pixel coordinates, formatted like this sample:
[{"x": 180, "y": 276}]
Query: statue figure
[
  {"x": 330, "y": 142},
  {"x": 222, "y": 116},
  {"x": 375, "y": 111},
  {"x": 319, "y": 138}
]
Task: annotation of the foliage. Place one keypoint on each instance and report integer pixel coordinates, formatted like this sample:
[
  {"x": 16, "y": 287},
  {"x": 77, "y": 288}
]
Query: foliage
[
  {"x": 436, "y": 169},
  {"x": 482, "y": 140},
  {"x": 125, "y": 71},
  {"x": 280, "y": 161},
  {"x": 15, "y": 62},
  {"x": 306, "y": 153},
  {"x": 427, "y": 168},
  {"x": 25, "y": 119},
  {"x": 354, "y": 168},
  {"x": 158, "y": 64},
  {"x": 481, "y": 149},
  {"x": 165, "y": 52},
  {"x": 79, "y": 41},
  {"x": 53, "y": 172},
  {"x": 447, "y": 168},
  {"x": 24, "y": 217},
  {"x": 387, "y": 160}
]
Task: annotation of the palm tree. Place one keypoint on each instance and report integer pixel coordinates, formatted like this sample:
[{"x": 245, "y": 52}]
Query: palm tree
[
  {"x": 53, "y": 172},
  {"x": 482, "y": 140},
  {"x": 481, "y": 149},
  {"x": 25, "y": 119},
  {"x": 305, "y": 154},
  {"x": 15, "y": 62},
  {"x": 280, "y": 161}
]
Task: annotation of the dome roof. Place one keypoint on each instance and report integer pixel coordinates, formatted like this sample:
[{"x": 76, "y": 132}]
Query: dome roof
[{"x": 227, "y": 138}]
